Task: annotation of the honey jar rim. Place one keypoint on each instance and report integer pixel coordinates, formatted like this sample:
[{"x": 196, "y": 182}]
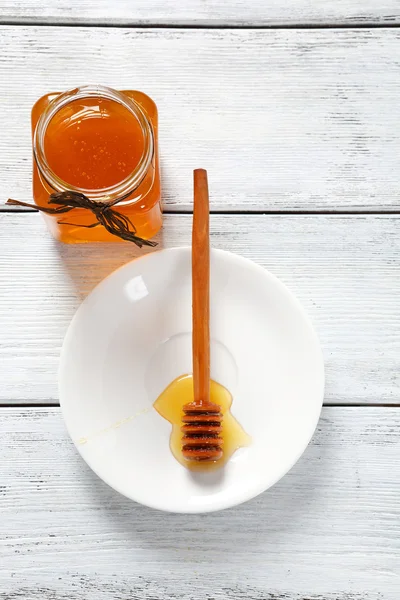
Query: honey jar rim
[{"x": 120, "y": 190}]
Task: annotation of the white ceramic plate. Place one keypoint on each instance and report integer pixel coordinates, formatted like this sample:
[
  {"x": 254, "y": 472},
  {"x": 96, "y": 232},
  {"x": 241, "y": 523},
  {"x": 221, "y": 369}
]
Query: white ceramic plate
[{"x": 132, "y": 336}]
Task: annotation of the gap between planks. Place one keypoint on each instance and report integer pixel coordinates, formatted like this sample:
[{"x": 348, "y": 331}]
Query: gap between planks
[
  {"x": 54, "y": 22},
  {"x": 182, "y": 211},
  {"x": 45, "y": 405}
]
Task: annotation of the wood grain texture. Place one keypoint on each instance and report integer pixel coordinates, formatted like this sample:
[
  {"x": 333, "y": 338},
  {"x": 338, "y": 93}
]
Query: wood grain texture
[
  {"x": 330, "y": 530},
  {"x": 202, "y": 12},
  {"x": 282, "y": 119},
  {"x": 344, "y": 269}
]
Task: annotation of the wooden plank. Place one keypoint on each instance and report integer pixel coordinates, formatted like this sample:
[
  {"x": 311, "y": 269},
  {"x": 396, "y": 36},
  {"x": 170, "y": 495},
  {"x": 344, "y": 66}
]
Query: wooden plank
[
  {"x": 330, "y": 530},
  {"x": 344, "y": 269},
  {"x": 284, "y": 120},
  {"x": 200, "y": 12}
]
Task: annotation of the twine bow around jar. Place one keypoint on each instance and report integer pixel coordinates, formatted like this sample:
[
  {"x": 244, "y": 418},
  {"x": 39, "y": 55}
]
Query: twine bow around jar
[{"x": 112, "y": 220}]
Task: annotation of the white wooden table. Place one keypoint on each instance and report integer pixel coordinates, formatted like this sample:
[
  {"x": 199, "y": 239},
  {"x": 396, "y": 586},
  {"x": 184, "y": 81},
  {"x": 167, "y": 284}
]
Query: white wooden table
[{"x": 293, "y": 107}]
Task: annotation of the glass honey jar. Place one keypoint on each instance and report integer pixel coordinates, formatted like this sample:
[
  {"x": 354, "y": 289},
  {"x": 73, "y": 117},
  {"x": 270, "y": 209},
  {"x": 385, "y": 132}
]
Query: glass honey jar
[{"x": 100, "y": 143}]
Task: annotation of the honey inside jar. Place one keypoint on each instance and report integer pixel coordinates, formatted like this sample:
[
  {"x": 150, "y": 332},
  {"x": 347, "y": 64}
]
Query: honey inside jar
[
  {"x": 93, "y": 143},
  {"x": 101, "y": 143},
  {"x": 170, "y": 406}
]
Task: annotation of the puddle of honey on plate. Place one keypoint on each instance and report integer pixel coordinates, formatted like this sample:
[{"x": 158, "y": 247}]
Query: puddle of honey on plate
[{"x": 170, "y": 406}]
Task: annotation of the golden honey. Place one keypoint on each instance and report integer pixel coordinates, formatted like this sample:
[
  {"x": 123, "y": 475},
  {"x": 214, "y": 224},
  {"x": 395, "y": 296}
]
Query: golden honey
[{"x": 170, "y": 406}]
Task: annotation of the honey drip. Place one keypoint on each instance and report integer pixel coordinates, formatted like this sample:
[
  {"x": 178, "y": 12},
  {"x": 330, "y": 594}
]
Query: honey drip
[{"x": 170, "y": 406}]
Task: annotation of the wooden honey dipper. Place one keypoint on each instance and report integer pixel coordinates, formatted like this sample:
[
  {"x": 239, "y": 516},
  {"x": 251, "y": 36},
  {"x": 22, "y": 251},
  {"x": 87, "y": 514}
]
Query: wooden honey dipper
[{"x": 202, "y": 418}]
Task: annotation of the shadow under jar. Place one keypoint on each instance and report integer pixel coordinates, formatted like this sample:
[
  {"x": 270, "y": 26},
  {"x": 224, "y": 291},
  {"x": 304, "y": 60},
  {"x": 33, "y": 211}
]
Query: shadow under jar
[{"x": 101, "y": 143}]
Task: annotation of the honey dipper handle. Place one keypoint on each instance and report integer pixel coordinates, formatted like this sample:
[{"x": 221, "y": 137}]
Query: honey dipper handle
[{"x": 201, "y": 288}]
